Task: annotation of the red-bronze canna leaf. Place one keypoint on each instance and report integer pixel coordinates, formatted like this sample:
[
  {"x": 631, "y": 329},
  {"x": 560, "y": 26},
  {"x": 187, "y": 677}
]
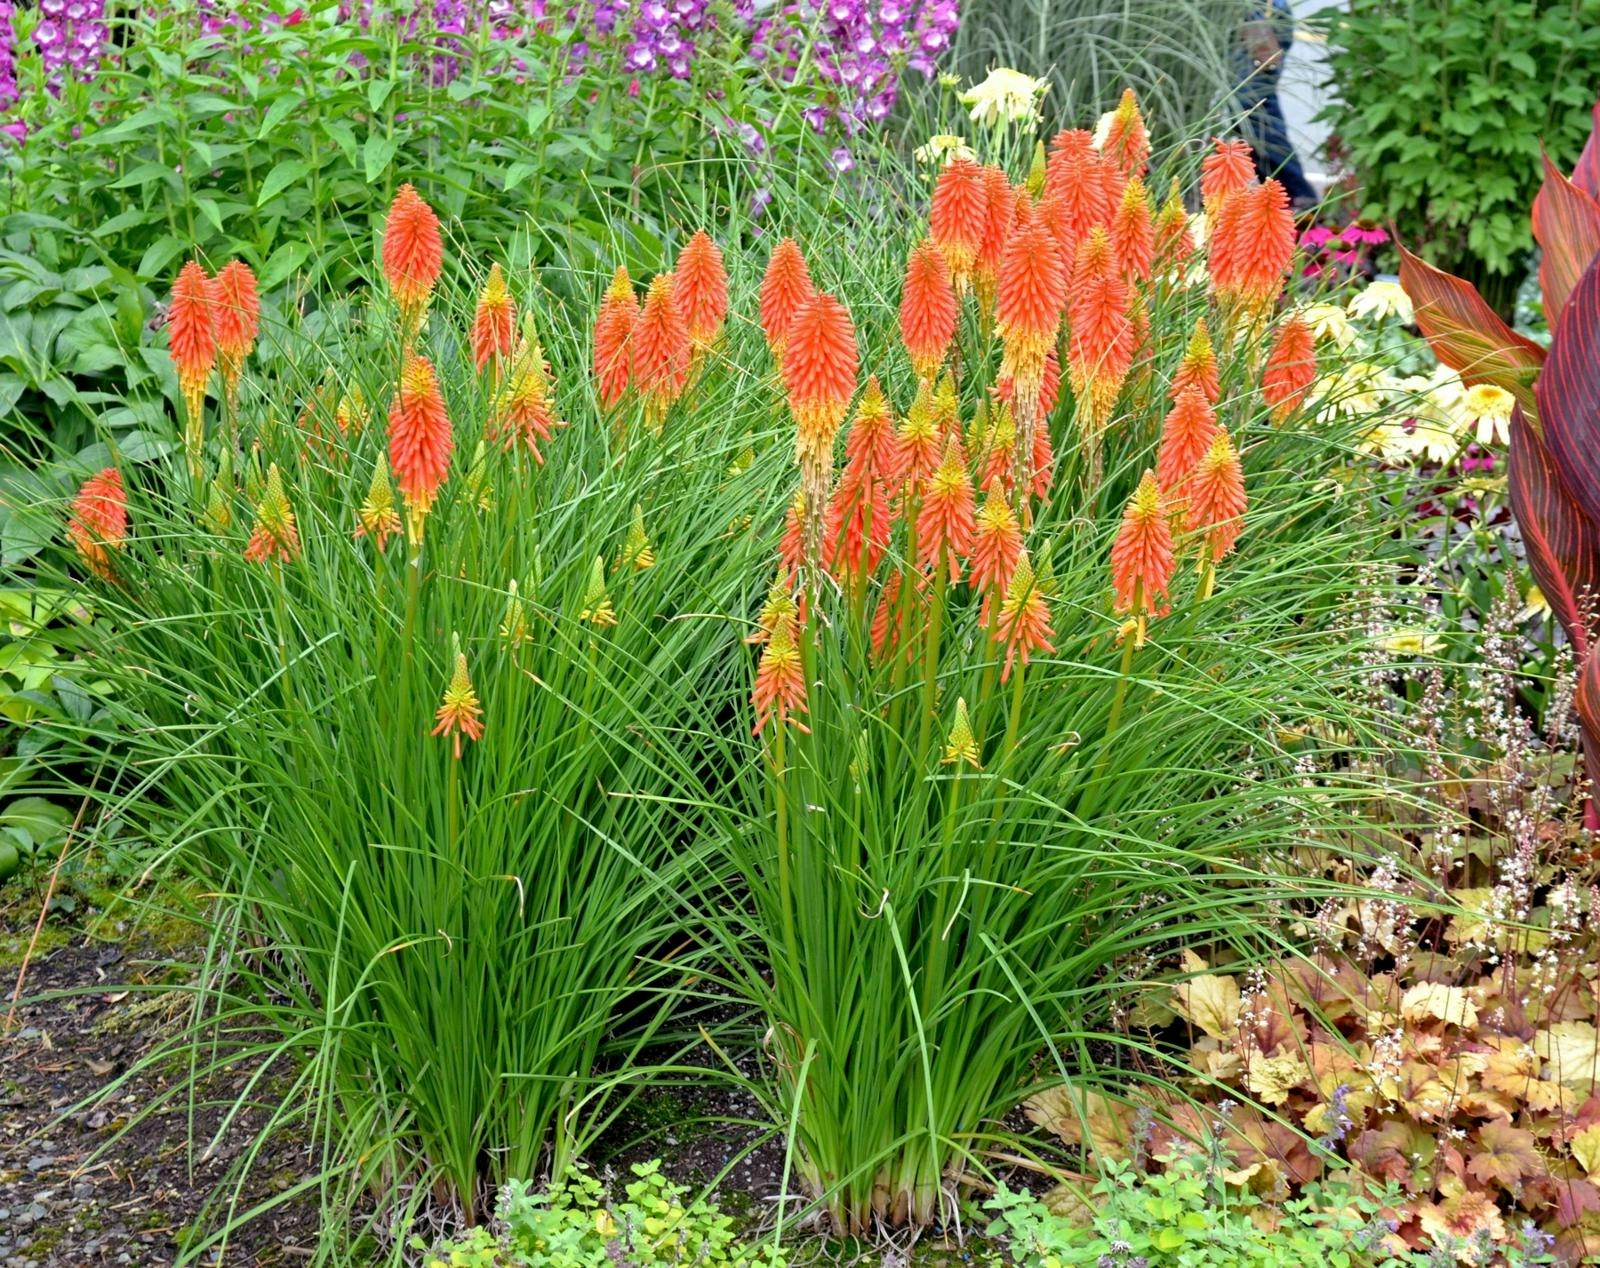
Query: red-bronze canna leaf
[
  {"x": 1587, "y": 703},
  {"x": 1466, "y": 334},
  {"x": 1569, "y": 395},
  {"x": 1566, "y": 222},
  {"x": 1586, "y": 175}
]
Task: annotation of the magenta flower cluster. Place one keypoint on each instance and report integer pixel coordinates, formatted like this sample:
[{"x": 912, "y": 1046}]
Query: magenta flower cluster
[
  {"x": 859, "y": 51},
  {"x": 71, "y": 37}
]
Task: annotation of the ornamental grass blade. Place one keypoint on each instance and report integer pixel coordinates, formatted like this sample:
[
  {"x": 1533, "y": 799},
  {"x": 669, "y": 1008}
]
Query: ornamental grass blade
[
  {"x": 1566, "y": 222},
  {"x": 1466, "y": 334}
]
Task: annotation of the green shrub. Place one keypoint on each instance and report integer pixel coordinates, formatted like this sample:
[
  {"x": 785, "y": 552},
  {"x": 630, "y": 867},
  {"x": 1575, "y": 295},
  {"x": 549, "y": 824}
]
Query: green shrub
[
  {"x": 1442, "y": 106},
  {"x": 582, "y": 1223}
]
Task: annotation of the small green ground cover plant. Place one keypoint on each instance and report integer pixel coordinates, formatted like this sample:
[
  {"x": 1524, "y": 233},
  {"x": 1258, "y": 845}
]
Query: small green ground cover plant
[{"x": 586, "y": 1222}]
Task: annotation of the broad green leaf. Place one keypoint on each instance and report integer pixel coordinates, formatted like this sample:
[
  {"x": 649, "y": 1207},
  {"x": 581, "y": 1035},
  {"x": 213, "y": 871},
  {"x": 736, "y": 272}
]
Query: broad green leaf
[{"x": 286, "y": 173}]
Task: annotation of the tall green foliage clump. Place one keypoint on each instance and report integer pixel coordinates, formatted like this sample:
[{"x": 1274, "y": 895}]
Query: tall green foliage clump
[{"x": 1442, "y": 108}]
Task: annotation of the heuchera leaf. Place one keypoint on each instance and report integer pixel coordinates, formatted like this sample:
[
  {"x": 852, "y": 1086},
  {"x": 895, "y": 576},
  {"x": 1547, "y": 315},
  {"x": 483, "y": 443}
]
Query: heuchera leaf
[
  {"x": 1586, "y": 176},
  {"x": 1566, "y": 222},
  {"x": 1466, "y": 334}
]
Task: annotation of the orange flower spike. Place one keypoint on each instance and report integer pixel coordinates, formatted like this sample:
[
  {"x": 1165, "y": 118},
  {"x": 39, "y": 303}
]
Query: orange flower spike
[
  {"x": 376, "y": 518},
  {"x": 1133, "y": 242},
  {"x": 792, "y": 545},
  {"x": 1187, "y": 433},
  {"x": 613, "y": 338},
  {"x": 1044, "y": 462},
  {"x": 928, "y": 310},
  {"x": 661, "y": 349},
  {"x": 919, "y": 438},
  {"x": 946, "y": 521},
  {"x": 99, "y": 522},
  {"x": 784, "y": 288},
  {"x": 819, "y": 371},
  {"x": 1216, "y": 502},
  {"x": 871, "y": 445},
  {"x": 1032, "y": 295},
  {"x": 413, "y": 255},
  {"x": 996, "y": 545},
  {"x": 192, "y": 339},
  {"x": 1252, "y": 245},
  {"x": 1101, "y": 343},
  {"x": 495, "y": 321},
  {"x": 702, "y": 285},
  {"x": 275, "y": 539},
  {"x": 959, "y": 217},
  {"x": 1291, "y": 368},
  {"x": 420, "y": 441},
  {"x": 525, "y": 409},
  {"x": 1174, "y": 244},
  {"x": 1000, "y": 215},
  {"x": 460, "y": 712},
  {"x": 780, "y": 686},
  {"x": 1127, "y": 143},
  {"x": 856, "y": 529},
  {"x": 1226, "y": 170},
  {"x": 779, "y": 607},
  {"x": 1023, "y": 623},
  {"x": 1142, "y": 562},
  {"x": 997, "y": 455},
  {"x": 1082, "y": 188},
  {"x": 1198, "y": 367},
  {"x": 237, "y": 316}
]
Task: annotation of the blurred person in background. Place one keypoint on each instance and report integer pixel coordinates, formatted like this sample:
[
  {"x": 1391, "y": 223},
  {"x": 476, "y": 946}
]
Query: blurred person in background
[{"x": 1265, "y": 38}]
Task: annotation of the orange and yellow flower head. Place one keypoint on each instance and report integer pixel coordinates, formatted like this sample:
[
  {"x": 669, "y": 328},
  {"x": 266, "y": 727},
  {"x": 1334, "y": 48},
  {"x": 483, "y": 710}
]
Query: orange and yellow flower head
[
  {"x": 1023, "y": 623},
  {"x": 921, "y": 443},
  {"x": 413, "y": 255},
  {"x": 1227, "y": 170},
  {"x": 99, "y": 520},
  {"x": 820, "y": 364},
  {"x": 613, "y": 338},
  {"x": 525, "y": 408},
  {"x": 959, "y": 217},
  {"x": 1142, "y": 562},
  {"x": 1133, "y": 239},
  {"x": 1028, "y": 308},
  {"x": 494, "y": 323},
  {"x": 1174, "y": 243},
  {"x": 702, "y": 285},
  {"x": 1000, "y": 213},
  {"x": 1101, "y": 344},
  {"x": 1198, "y": 366},
  {"x": 1082, "y": 190},
  {"x": 420, "y": 440},
  {"x": 780, "y": 686},
  {"x": 460, "y": 713},
  {"x": 1251, "y": 245},
  {"x": 237, "y": 307},
  {"x": 376, "y": 517},
  {"x": 1291, "y": 368},
  {"x": 1216, "y": 502},
  {"x": 855, "y": 532},
  {"x": 872, "y": 448},
  {"x": 996, "y": 546},
  {"x": 1186, "y": 435},
  {"x": 275, "y": 538},
  {"x": 945, "y": 523},
  {"x": 785, "y": 288},
  {"x": 192, "y": 337},
  {"x": 1127, "y": 142},
  {"x": 661, "y": 350},
  {"x": 792, "y": 544},
  {"x": 927, "y": 310}
]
